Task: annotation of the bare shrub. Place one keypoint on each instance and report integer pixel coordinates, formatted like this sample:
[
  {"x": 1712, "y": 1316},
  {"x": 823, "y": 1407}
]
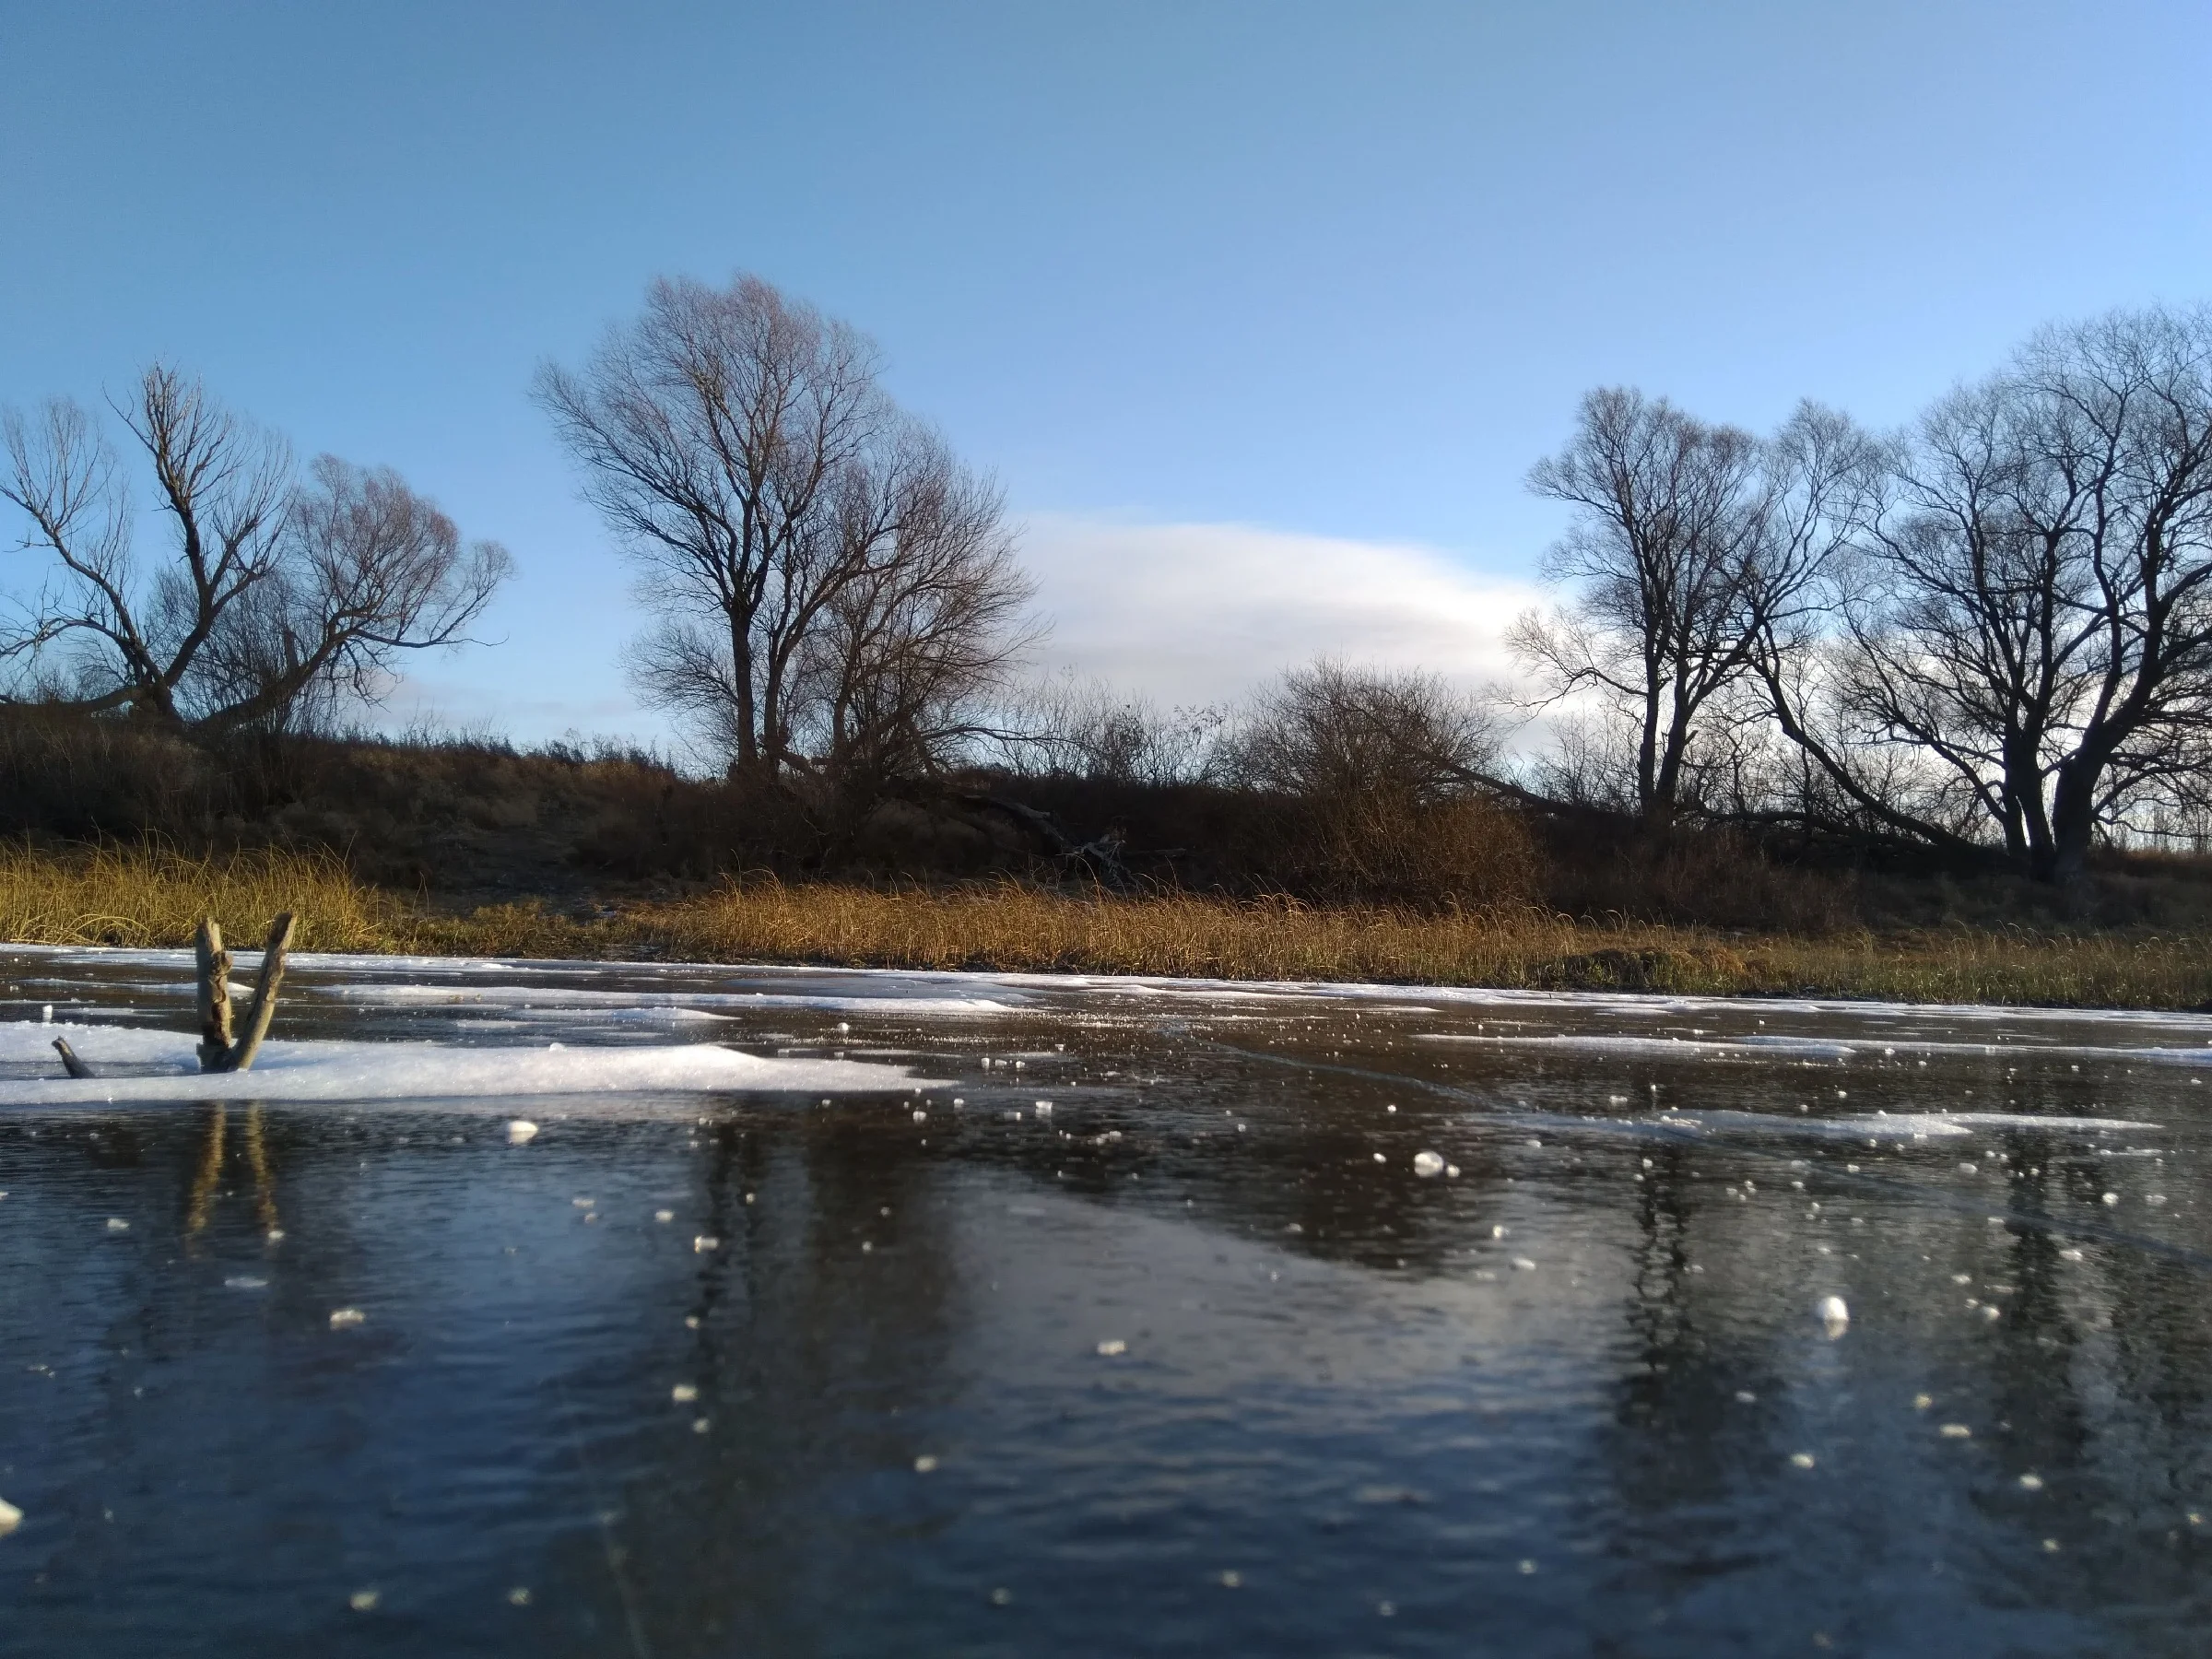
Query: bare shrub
[
  {"x": 1071, "y": 728},
  {"x": 1380, "y": 774}
]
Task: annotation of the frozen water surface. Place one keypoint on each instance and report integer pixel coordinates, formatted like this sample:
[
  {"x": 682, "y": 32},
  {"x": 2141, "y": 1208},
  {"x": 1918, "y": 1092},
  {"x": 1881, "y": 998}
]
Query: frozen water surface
[{"x": 1642, "y": 1326}]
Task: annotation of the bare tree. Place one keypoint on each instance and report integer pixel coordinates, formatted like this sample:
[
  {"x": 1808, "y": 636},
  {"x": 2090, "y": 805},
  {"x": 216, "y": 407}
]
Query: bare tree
[
  {"x": 831, "y": 584},
  {"x": 133, "y": 637},
  {"x": 1695, "y": 549},
  {"x": 273, "y": 592},
  {"x": 369, "y": 569},
  {"x": 2027, "y": 642}
]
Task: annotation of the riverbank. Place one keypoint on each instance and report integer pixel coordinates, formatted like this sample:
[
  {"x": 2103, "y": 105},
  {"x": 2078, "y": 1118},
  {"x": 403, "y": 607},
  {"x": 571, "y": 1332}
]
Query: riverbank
[{"x": 148, "y": 897}]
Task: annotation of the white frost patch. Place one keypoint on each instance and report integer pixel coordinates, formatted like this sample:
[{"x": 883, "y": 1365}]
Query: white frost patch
[
  {"x": 1835, "y": 1315},
  {"x": 166, "y": 1070}
]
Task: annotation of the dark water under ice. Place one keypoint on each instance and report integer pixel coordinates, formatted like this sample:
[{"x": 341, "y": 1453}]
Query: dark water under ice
[{"x": 1196, "y": 1363}]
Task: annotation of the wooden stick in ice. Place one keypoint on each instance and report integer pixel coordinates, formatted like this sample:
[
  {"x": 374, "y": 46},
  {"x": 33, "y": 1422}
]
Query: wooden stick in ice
[
  {"x": 263, "y": 1008},
  {"x": 215, "y": 996}
]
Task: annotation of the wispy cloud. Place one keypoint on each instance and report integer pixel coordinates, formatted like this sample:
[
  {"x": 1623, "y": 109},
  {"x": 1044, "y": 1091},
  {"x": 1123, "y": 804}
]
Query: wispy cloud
[{"x": 1201, "y": 613}]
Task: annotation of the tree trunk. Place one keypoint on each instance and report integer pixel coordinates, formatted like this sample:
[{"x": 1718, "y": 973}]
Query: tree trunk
[{"x": 2073, "y": 824}]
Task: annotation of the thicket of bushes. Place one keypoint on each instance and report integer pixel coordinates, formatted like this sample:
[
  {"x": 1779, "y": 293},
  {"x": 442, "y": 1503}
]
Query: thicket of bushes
[{"x": 465, "y": 821}]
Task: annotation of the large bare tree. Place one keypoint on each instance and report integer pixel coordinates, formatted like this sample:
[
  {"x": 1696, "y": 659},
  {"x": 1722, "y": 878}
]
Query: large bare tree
[
  {"x": 2026, "y": 649},
  {"x": 833, "y": 587},
  {"x": 1693, "y": 549},
  {"x": 273, "y": 592}
]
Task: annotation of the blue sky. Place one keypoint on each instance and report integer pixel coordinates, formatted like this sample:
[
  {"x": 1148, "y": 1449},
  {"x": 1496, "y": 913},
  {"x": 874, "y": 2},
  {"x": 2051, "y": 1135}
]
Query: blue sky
[{"x": 1280, "y": 298}]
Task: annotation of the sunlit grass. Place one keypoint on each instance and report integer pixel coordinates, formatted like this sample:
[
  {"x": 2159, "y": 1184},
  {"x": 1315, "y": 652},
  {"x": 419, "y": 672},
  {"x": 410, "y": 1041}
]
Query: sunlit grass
[{"x": 149, "y": 897}]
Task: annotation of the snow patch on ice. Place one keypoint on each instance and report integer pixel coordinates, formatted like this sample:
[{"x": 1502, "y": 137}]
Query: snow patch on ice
[{"x": 163, "y": 1069}]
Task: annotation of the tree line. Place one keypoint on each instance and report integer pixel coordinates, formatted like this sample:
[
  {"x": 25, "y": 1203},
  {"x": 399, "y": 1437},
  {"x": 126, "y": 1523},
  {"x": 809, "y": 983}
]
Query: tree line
[
  {"x": 1989, "y": 633},
  {"x": 1992, "y": 630}
]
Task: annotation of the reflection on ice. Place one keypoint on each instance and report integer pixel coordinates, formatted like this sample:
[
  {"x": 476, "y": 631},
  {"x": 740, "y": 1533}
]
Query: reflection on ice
[
  {"x": 1883, "y": 1126},
  {"x": 1607, "y": 1337}
]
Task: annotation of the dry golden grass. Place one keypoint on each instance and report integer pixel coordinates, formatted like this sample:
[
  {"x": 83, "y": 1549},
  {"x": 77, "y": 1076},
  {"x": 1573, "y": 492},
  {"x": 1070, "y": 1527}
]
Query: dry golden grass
[{"x": 147, "y": 897}]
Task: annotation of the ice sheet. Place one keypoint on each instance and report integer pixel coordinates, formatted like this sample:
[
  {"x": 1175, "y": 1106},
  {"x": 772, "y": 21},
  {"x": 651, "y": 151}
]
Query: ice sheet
[
  {"x": 692, "y": 1004},
  {"x": 951, "y": 993},
  {"x": 157, "y": 1067}
]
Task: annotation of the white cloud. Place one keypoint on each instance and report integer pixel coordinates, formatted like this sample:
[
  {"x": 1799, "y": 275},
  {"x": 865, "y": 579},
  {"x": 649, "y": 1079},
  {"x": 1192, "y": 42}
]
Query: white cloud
[
  {"x": 1187, "y": 613},
  {"x": 1202, "y": 613}
]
